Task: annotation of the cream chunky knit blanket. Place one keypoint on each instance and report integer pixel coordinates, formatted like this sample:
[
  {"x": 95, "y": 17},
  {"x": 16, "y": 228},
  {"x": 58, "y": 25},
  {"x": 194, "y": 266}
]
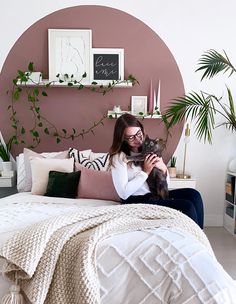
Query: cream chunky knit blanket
[{"x": 55, "y": 259}]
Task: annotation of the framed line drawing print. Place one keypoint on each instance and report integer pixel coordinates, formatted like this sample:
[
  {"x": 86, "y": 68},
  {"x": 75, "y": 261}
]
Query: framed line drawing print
[
  {"x": 139, "y": 105},
  {"x": 107, "y": 64},
  {"x": 69, "y": 52}
]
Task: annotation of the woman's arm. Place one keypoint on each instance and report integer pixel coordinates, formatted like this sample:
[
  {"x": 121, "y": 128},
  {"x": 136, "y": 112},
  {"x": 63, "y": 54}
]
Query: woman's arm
[{"x": 123, "y": 185}]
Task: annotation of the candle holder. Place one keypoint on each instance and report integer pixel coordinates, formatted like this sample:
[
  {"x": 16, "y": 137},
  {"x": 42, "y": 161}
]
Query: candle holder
[{"x": 183, "y": 175}]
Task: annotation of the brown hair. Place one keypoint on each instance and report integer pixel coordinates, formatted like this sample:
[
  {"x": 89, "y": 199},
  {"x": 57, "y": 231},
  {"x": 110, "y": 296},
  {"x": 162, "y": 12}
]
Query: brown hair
[{"x": 118, "y": 144}]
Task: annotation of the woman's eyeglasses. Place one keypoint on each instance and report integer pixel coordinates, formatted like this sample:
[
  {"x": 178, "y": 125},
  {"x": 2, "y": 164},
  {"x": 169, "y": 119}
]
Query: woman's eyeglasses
[{"x": 131, "y": 138}]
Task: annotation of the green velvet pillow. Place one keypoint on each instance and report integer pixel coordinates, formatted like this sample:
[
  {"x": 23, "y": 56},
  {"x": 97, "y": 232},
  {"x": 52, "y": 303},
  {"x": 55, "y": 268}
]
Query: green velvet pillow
[{"x": 62, "y": 184}]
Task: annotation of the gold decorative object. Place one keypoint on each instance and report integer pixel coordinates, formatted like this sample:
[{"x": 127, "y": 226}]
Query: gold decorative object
[{"x": 186, "y": 141}]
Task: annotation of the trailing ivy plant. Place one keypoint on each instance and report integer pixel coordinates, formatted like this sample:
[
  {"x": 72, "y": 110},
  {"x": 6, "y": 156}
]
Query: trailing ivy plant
[{"x": 40, "y": 121}]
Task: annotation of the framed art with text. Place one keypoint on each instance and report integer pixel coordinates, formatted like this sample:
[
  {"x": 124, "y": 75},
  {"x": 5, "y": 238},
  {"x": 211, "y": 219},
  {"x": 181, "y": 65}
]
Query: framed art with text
[
  {"x": 69, "y": 52},
  {"x": 107, "y": 64}
]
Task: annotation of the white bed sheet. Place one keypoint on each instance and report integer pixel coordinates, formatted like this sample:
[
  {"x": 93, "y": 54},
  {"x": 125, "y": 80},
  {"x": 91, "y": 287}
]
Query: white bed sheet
[{"x": 154, "y": 266}]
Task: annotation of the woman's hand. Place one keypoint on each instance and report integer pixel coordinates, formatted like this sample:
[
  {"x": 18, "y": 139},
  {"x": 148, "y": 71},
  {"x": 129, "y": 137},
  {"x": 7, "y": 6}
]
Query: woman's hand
[
  {"x": 161, "y": 165},
  {"x": 150, "y": 162}
]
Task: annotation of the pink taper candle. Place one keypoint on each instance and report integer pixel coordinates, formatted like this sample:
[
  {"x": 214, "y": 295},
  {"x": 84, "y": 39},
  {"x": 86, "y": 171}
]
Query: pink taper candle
[{"x": 150, "y": 103}]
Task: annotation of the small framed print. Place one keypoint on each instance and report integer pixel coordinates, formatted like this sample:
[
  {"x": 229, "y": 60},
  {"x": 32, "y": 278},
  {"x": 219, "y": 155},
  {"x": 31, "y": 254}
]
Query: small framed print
[
  {"x": 107, "y": 64},
  {"x": 139, "y": 105}
]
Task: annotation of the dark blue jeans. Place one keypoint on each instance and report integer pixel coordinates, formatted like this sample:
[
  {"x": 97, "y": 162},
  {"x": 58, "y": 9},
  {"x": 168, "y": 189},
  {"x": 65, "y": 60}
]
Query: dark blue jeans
[{"x": 186, "y": 200}]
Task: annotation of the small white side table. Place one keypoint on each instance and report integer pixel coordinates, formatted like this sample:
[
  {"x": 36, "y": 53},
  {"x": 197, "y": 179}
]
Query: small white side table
[
  {"x": 8, "y": 181},
  {"x": 7, "y": 185},
  {"x": 176, "y": 183}
]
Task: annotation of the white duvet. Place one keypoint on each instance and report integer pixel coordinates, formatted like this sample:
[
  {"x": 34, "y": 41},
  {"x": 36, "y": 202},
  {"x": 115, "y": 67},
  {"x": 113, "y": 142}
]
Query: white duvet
[{"x": 153, "y": 266}]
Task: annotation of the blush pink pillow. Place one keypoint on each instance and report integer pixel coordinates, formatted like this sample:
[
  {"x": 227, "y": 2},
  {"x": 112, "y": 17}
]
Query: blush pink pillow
[{"x": 96, "y": 184}]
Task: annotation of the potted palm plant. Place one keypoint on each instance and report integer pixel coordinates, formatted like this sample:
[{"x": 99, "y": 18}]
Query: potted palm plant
[{"x": 203, "y": 107}]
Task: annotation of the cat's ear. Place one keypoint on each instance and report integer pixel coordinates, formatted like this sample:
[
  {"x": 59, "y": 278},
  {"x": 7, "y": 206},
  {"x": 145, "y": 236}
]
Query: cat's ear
[{"x": 147, "y": 137}]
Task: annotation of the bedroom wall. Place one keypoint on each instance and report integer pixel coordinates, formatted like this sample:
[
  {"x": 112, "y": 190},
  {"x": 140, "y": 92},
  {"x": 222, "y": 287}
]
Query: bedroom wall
[
  {"x": 145, "y": 56},
  {"x": 188, "y": 28}
]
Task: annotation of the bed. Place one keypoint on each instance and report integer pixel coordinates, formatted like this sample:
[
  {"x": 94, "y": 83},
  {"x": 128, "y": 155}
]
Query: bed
[{"x": 94, "y": 250}]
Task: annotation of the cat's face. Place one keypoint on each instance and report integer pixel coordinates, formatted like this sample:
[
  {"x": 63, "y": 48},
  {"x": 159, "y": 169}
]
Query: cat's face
[{"x": 153, "y": 146}]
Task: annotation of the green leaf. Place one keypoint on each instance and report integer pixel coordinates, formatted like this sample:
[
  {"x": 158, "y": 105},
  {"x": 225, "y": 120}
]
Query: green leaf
[
  {"x": 58, "y": 140},
  {"x": 194, "y": 106},
  {"x": 35, "y": 133},
  {"x": 84, "y": 75},
  {"x": 21, "y": 73},
  {"x": 64, "y": 131},
  {"x": 212, "y": 63},
  {"x": 40, "y": 124},
  {"x": 46, "y": 131},
  {"x": 31, "y": 67},
  {"x": 44, "y": 93},
  {"x": 70, "y": 84},
  {"x": 16, "y": 94},
  {"x": 22, "y": 130}
]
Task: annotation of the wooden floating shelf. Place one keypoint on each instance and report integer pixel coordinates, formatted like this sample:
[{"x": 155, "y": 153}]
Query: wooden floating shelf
[
  {"x": 56, "y": 84},
  {"x": 112, "y": 114}
]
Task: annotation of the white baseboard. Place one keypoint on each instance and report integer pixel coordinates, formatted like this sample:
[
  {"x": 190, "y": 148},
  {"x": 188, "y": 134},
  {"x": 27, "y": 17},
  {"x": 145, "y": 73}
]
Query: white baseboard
[{"x": 213, "y": 220}]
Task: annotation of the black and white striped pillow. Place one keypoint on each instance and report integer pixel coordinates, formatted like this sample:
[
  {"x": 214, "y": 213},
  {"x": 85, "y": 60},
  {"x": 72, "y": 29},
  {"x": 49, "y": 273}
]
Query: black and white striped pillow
[
  {"x": 74, "y": 153},
  {"x": 90, "y": 160}
]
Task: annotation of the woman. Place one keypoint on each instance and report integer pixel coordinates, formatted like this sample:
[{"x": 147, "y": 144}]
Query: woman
[{"x": 130, "y": 180}]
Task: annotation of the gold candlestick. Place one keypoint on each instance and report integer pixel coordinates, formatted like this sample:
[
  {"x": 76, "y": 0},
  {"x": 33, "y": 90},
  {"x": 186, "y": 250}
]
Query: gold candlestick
[{"x": 186, "y": 141}]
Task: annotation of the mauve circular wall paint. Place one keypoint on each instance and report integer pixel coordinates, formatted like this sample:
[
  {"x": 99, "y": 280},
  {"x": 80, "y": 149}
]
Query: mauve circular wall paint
[{"x": 146, "y": 57}]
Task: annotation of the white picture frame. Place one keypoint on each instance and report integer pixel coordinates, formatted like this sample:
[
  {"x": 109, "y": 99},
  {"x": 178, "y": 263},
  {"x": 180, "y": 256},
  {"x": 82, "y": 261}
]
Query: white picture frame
[
  {"x": 139, "y": 105},
  {"x": 107, "y": 64},
  {"x": 69, "y": 52}
]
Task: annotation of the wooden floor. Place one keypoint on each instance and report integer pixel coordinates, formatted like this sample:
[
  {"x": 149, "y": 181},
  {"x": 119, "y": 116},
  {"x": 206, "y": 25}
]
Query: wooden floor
[{"x": 224, "y": 246}]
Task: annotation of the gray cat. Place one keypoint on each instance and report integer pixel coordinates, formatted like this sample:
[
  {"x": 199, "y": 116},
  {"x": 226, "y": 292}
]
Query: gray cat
[{"x": 157, "y": 179}]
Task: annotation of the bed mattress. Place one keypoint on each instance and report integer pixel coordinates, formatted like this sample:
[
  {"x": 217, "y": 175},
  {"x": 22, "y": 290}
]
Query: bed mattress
[{"x": 164, "y": 265}]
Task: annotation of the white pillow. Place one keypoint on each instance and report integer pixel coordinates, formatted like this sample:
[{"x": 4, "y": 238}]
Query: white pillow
[
  {"x": 24, "y": 179},
  {"x": 40, "y": 168},
  {"x": 20, "y": 165}
]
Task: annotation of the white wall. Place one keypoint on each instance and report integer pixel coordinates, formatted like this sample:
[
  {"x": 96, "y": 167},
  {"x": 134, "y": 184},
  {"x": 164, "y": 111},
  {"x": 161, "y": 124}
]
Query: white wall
[{"x": 188, "y": 28}]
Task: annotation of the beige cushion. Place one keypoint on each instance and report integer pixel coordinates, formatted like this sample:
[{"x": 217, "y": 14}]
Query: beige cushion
[{"x": 40, "y": 168}]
